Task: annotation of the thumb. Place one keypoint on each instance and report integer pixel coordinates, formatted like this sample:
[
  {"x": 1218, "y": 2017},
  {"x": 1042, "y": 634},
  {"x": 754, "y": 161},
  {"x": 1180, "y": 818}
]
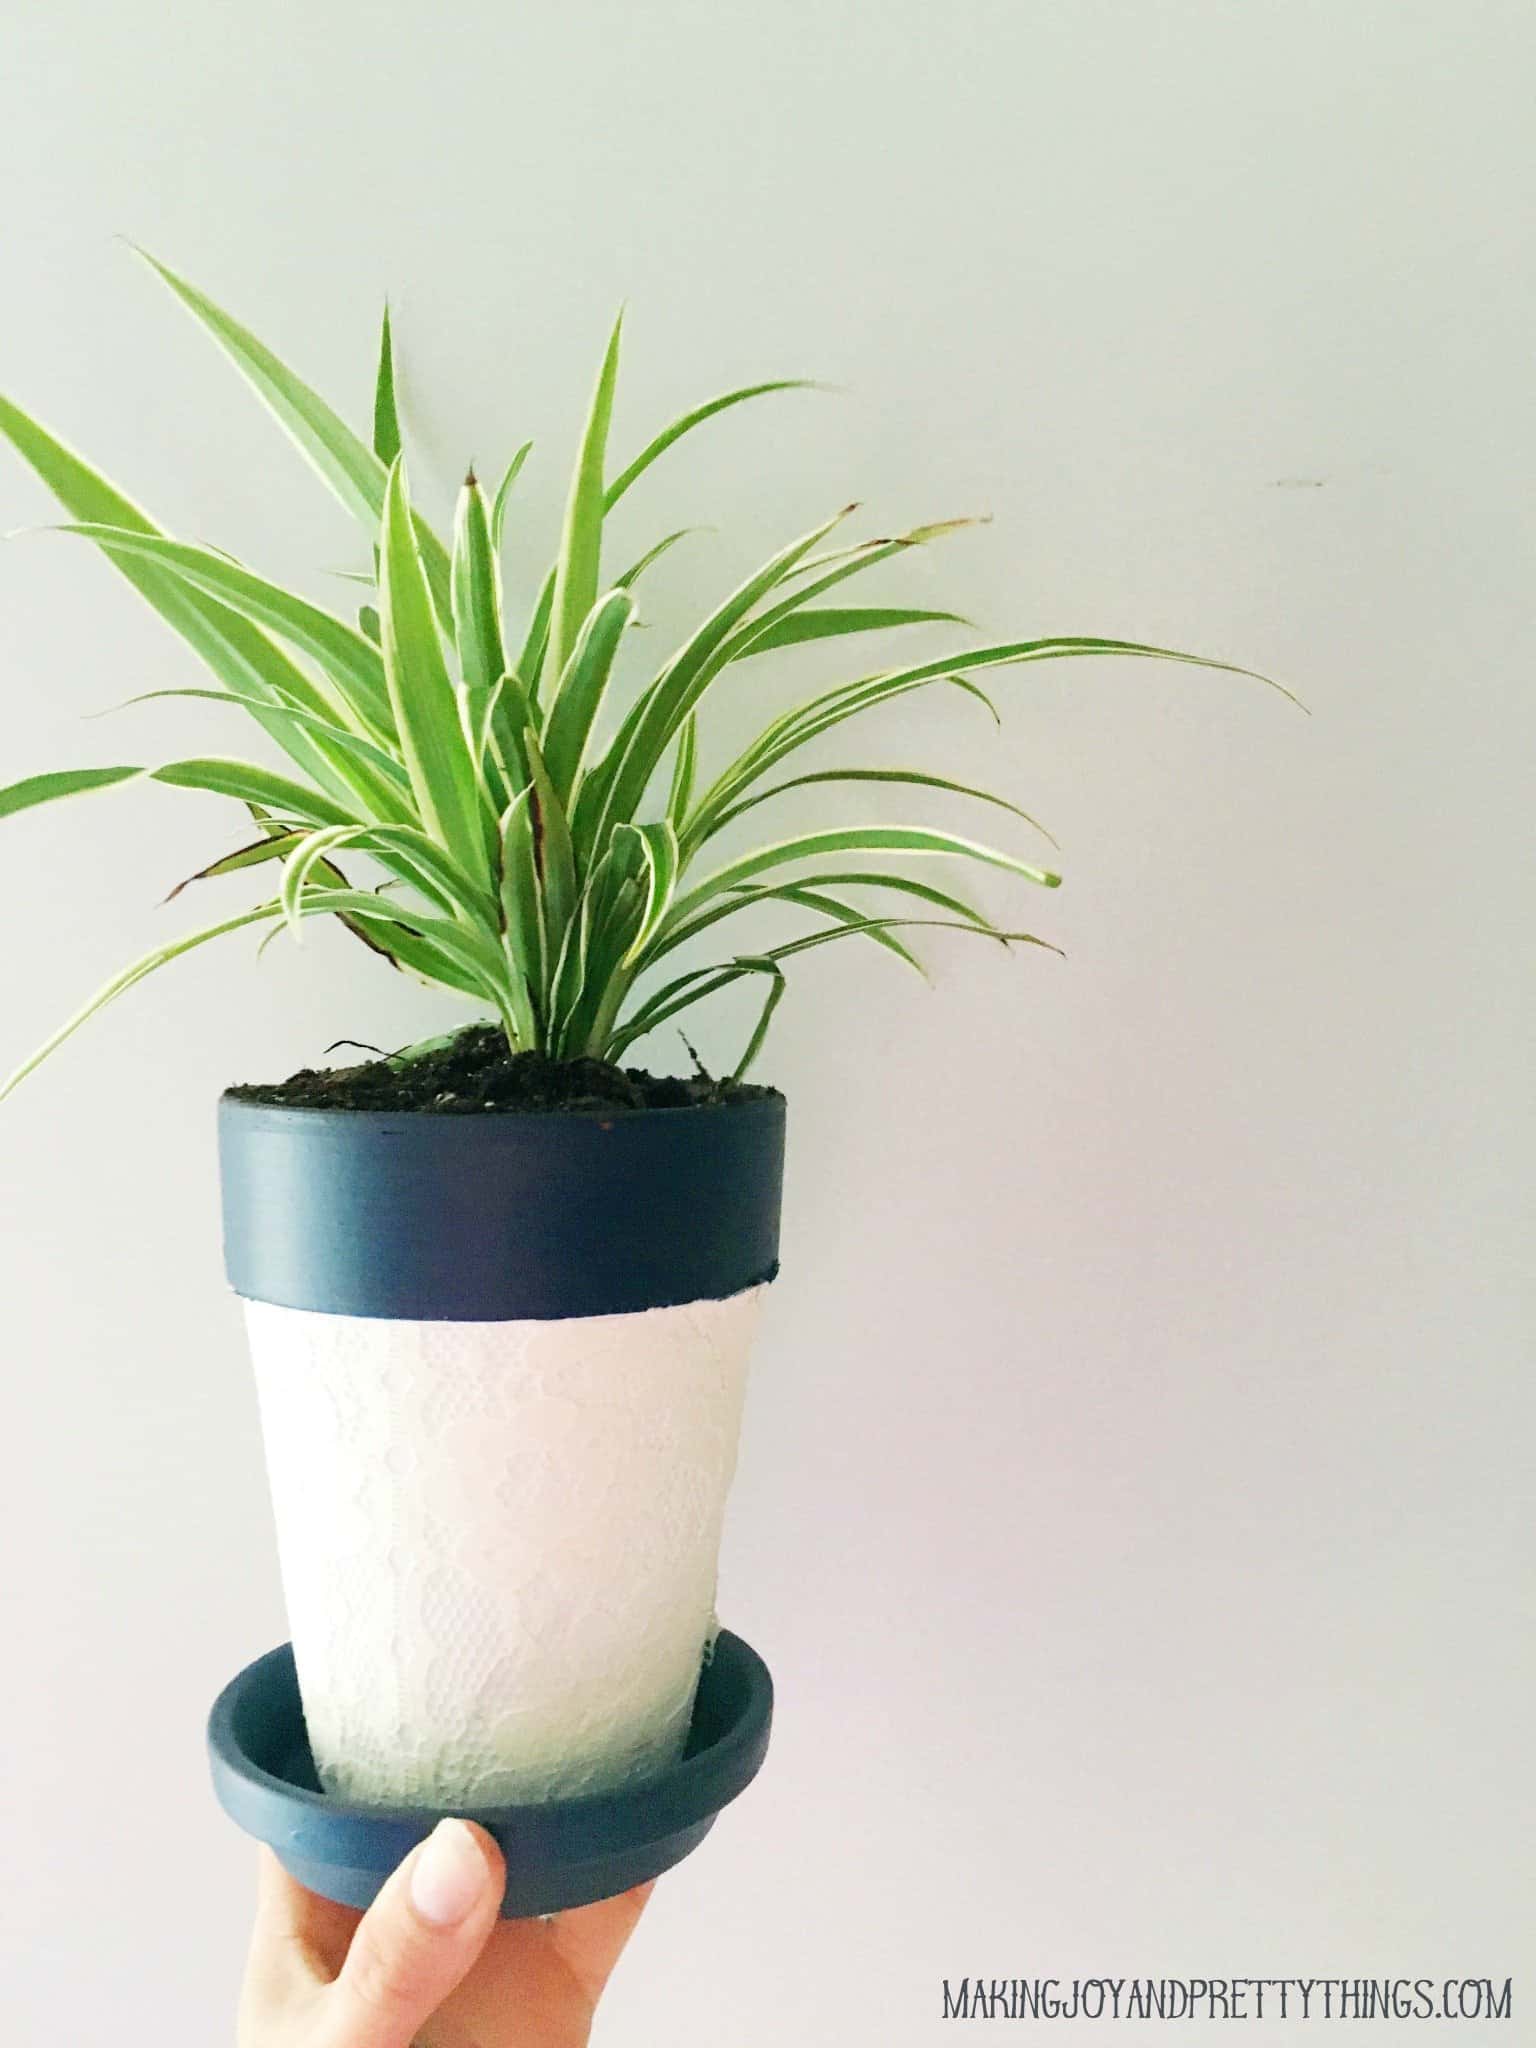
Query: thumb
[{"x": 417, "y": 1941}]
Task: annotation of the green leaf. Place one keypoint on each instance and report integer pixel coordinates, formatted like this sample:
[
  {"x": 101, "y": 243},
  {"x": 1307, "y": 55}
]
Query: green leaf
[
  {"x": 426, "y": 707},
  {"x": 576, "y": 576},
  {"x": 868, "y": 926},
  {"x": 351, "y": 662},
  {"x": 797, "y": 728},
  {"x": 954, "y": 669},
  {"x": 239, "y": 654},
  {"x": 854, "y": 839},
  {"x": 47, "y": 789},
  {"x": 161, "y": 956},
  {"x": 386, "y": 416},
  {"x": 476, "y": 595},
  {"x": 311, "y": 850},
  {"x": 694, "y": 987},
  {"x": 765, "y": 1017},
  {"x": 653, "y": 554},
  {"x": 824, "y": 573},
  {"x": 659, "y": 846},
  {"x": 700, "y": 982},
  {"x": 913, "y": 537},
  {"x": 522, "y": 914},
  {"x": 808, "y": 895},
  {"x": 646, "y": 734},
  {"x": 347, "y": 464},
  {"x": 579, "y": 693},
  {"x": 827, "y": 622},
  {"x": 419, "y": 861},
  {"x": 530, "y": 659},
  {"x": 511, "y": 722},
  {"x": 684, "y": 769},
  {"x": 410, "y": 855},
  {"x": 667, "y": 1000},
  {"x": 556, "y": 858},
  {"x": 686, "y": 424},
  {"x": 745, "y": 895},
  {"x": 504, "y": 493},
  {"x": 607, "y": 917},
  {"x": 1061, "y": 647},
  {"x": 908, "y": 885},
  {"x": 478, "y": 722},
  {"x": 650, "y": 852},
  {"x": 409, "y": 951},
  {"x": 275, "y": 845},
  {"x": 467, "y": 948},
  {"x": 251, "y": 784},
  {"x": 846, "y": 914},
  {"x": 240, "y": 779},
  {"x": 909, "y": 777},
  {"x": 379, "y": 782}
]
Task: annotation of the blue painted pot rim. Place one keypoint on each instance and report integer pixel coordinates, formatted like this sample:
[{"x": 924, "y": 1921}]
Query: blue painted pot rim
[
  {"x": 559, "y": 1853},
  {"x": 493, "y": 1217}
]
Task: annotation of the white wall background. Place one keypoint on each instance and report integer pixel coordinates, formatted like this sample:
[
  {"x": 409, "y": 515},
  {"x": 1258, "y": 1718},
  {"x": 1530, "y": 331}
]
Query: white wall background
[{"x": 1135, "y": 1503}]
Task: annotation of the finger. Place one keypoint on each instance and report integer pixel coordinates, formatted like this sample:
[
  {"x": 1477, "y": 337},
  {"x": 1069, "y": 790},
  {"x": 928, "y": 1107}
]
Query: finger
[
  {"x": 296, "y": 1930},
  {"x": 418, "y": 1939},
  {"x": 278, "y": 1899},
  {"x": 285, "y": 1967},
  {"x": 590, "y": 1939},
  {"x": 284, "y": 1972}
]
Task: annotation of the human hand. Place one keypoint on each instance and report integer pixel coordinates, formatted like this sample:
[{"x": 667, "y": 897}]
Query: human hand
[{"x": 430, "y": 1964}]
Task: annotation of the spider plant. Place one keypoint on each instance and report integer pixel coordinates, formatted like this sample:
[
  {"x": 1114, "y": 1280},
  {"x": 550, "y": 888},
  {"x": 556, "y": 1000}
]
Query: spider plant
[{"x": 542, "y": 841}]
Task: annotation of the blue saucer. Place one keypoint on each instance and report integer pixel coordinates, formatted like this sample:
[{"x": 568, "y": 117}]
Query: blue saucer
[{"x": 564, "y": 1852}]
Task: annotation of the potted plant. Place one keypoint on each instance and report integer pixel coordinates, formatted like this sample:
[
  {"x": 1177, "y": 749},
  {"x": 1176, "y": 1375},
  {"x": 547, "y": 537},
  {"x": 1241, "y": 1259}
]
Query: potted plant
[{"x": 500, "y": 1291}]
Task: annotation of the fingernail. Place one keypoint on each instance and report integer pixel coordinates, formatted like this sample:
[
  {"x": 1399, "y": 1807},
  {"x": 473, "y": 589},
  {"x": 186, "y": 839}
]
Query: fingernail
[{"x": 449, "y": 1875}]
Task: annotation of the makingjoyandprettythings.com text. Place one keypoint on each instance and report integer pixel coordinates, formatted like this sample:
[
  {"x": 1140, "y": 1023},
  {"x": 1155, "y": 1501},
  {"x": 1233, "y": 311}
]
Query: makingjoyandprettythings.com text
[{"x": 1227, "y": 1998}]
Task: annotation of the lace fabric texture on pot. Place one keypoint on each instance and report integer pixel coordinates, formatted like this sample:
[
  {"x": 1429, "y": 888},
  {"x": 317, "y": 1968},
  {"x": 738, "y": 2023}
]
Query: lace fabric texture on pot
[{"x": 499, "y": 1540}]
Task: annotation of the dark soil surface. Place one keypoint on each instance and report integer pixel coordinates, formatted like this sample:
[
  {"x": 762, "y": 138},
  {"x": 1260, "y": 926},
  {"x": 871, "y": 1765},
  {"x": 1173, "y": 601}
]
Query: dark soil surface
[{"x": 475, "y": 1071}]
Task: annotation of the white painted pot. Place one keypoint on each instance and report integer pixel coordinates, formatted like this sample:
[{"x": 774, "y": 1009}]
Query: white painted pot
[
  {"x": 500, "y": 1364},
  {"x": 499, "y": 1540}
]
